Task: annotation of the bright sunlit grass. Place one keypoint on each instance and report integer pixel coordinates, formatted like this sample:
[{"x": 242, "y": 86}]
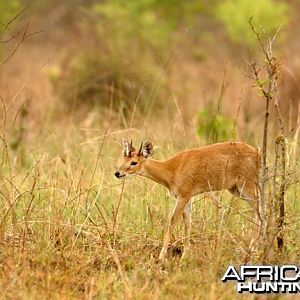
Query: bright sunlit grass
[{"x": 70, "y": 229}]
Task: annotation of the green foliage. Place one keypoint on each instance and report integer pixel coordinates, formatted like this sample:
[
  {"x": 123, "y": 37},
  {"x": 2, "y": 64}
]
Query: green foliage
[
  {"x": 8, "y": 9},
  {"x": 235, "y": 15},
  {"x": 134, "y": 38},
  {"x": 214, "y": 127},
  {"x": 143, "y": 23},
  {"x": 106, "y": 82}
]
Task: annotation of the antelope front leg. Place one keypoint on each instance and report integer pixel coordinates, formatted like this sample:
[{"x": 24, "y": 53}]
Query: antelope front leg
[
  {"x": 187, "y": 228},
  {"x": 178, "y": 211}
]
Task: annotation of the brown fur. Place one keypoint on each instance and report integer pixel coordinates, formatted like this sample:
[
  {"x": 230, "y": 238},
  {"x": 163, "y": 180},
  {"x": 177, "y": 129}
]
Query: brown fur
[{"x": 233, "y": 166}]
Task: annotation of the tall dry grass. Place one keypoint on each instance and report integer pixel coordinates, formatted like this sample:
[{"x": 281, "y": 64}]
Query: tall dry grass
[{"x": 69, "y": 229}]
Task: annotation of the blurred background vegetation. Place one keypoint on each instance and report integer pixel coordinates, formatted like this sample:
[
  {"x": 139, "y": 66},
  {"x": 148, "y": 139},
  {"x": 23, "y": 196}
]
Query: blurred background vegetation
[
  {"x": 77, "y": 76},
  {"x": 100, "y": 61}
]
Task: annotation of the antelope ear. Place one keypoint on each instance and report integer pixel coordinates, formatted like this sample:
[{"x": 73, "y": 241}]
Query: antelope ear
[
  {"x": 126, "y": 147},
  {"x": 147, "y": 149}
]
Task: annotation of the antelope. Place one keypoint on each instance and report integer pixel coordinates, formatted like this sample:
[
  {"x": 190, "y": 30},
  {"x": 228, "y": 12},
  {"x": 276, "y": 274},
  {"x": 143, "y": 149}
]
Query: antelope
[{"x": 231, "y": 166}]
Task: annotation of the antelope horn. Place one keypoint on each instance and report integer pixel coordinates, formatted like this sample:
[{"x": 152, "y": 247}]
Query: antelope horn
[
  {"x": 127, "y": 147},
  {"x": 130, "y": 148},
  {"x": 140, "y": 150}
]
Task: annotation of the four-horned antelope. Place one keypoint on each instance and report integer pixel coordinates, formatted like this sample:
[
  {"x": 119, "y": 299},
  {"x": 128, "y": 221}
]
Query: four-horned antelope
[{"x": 233, "y": 166}]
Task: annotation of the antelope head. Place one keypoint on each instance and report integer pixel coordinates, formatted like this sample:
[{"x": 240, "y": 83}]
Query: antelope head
[{"x": 133, "y": 161}]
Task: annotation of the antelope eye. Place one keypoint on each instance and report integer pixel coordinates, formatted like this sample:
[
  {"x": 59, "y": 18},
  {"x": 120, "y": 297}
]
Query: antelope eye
[{"x": 133, "y": 163}]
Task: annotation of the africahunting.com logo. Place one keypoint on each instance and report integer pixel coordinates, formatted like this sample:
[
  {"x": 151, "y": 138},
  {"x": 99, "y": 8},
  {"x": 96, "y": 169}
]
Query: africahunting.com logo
[{"x": 264, "y": 279}]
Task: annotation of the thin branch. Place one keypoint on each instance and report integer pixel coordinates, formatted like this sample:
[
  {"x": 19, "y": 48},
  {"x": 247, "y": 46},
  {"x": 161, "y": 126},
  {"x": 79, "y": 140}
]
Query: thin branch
[{"x": 25, "y": 36}]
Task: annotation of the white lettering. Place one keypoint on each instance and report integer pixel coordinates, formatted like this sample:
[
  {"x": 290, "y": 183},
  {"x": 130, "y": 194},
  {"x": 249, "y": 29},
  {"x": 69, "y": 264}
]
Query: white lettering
[{"x": 231, "y": 274}]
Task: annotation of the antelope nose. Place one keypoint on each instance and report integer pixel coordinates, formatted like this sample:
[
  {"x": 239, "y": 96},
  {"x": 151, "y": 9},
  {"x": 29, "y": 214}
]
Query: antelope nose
[{"x": 117, "y": 174}]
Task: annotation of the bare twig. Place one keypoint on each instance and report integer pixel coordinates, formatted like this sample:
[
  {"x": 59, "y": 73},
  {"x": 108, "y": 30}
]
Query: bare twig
[
  {"x": 268, "y": 89},
  {"x": 25, "y": 35}
]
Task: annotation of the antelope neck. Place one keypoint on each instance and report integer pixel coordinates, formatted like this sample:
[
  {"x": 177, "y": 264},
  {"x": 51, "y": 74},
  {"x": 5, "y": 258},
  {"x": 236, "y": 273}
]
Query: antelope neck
[{"x": 158, "y": 171}]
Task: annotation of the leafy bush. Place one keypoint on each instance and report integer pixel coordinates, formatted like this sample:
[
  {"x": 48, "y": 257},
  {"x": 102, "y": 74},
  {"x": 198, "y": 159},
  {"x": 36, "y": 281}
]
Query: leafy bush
[
  {"x": 235, "y": 15},
  {"x": 132, "y": 41},
  {"x": 144, "y": 24},
  {"x": 214, "y": 127},
  {"x": 107, "y": 82}
]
